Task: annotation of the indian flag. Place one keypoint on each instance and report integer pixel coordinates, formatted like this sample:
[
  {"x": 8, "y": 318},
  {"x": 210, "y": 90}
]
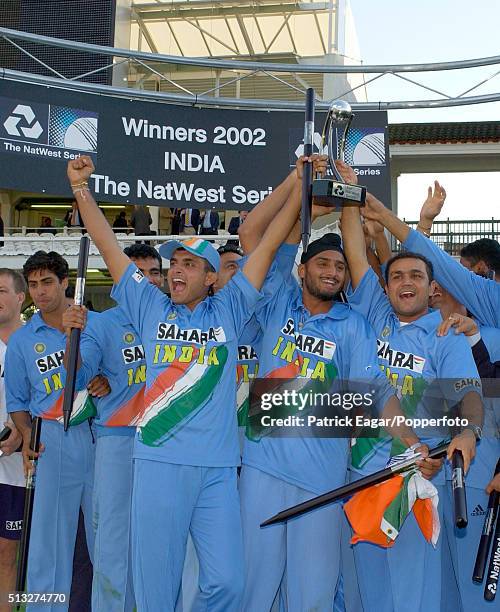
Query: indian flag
[
  {"x": 363, "y": 448},
  {"x": 83, "y": 409},
  {"x": 178, "y": 394},
  {"x": 377, "y": 514},
  {"x": 242, "y": 398}
]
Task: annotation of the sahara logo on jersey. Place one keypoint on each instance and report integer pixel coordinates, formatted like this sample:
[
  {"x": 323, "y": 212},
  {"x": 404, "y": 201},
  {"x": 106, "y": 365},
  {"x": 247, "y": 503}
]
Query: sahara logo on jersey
[
  {"x": 50, "y": 362},
  {"x": 399, "y": 359},
  {"x": 310, "y": 344},
  {"x": 132, "y": 354},
  {"x": 170, "y": 331}
]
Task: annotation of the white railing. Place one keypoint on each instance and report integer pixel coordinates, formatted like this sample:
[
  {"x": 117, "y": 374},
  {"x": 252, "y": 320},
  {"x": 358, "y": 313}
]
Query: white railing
[{"x": 18, "y": 246}]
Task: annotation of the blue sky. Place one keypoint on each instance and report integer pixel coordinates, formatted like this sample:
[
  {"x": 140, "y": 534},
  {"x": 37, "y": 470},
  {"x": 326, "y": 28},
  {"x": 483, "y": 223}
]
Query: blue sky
[{"x": 404, "y": 31}]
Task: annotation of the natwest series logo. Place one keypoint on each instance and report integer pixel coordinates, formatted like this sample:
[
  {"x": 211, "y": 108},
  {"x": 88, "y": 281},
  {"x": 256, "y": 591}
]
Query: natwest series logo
[
  {"x": 46, "y": 130},
  {"x": 365, "y": 148},
  {"x": 23, "y": 122}
]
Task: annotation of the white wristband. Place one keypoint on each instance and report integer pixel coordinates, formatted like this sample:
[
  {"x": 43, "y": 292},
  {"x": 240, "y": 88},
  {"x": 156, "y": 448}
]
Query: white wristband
[{"x": 473, "y": 340}]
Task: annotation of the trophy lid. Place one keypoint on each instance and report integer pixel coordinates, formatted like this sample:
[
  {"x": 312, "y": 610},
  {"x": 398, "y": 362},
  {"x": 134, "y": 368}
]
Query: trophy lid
[{"x": 340, "y": 109}]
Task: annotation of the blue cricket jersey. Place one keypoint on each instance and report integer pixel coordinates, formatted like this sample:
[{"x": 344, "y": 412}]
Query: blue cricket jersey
[
  {"x": 414, "y": 359},
  {"x": 479, "y": 295},
  {"x": 110, "y": 346},
  {"x": 295, "y": 345},
  {"x": 33, "y": 373},
  {"x": 189, "y": 416},
  {"x": 249, "y": 343},
  {"x": 483, "y": 465}
]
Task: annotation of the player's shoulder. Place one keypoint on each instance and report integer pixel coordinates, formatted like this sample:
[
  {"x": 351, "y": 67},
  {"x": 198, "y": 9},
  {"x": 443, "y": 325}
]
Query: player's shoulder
[
  {"x": 113, "y": 314},
  {"x": 22, "y": 333},
  {"x": 353, "y": 319},
  {"x": 346, "y": 322}
]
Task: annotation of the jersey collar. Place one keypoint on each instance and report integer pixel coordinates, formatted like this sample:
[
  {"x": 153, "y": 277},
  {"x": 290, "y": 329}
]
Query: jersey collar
[
  {"x": 38, "y": 323},
  {"x": 337, "y": 312},
  {"x": 427, "y": 322}
]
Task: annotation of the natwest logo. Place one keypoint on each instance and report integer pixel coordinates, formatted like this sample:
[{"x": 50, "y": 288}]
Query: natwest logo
[{"x": 22, "y": 122}]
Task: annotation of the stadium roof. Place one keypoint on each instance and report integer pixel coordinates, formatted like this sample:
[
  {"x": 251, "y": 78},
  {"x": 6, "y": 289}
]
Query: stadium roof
[
  {"x": 235, "y": 28},
  {"x": 436, "y": 133}
]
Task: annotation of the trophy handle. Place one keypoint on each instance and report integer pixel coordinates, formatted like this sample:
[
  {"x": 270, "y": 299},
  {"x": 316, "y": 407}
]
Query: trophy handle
[{"x": 332, "y": 155}]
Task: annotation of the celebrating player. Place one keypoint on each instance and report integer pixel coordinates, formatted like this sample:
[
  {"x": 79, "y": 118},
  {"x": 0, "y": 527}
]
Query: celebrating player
[
  {"x": 412, "y": 356},
  {"x": 307, "y": 336},
  {"x": 111, "y": 346},
  {"x": 186, "y": 451}
]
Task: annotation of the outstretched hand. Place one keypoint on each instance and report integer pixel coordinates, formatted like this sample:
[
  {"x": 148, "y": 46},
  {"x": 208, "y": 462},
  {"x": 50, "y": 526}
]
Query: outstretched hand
[
  {"x": 80, "y": 169},
  {"x": 433, "y": 204}
]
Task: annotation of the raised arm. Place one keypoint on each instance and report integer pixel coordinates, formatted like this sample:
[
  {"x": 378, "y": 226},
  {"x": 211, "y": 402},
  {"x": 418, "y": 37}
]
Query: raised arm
[
  {"x": 281, "y": 227},
  {"x": 479, "y": 295},
  {"x": 431, "y": 208},
  {"x": 261, "y": 257},
  {"x": 378, "y": 250},
  {"x": 79, "y": 171},
  {"x": 352, "y": 232},
  {"x": 320, "y": 165},
  {"x": 261, "y": 217}
]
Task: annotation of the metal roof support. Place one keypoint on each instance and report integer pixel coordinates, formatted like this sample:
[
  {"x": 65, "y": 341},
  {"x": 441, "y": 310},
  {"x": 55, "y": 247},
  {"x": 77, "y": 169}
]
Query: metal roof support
[
  {"x": 164, "y": 78},
  {"x": 244, "y": 69},
  {"x": 39, "y": 61},
  {"x": 205, "y": 33},
  {"x": 285, "y": 22},
  {"x": 145, "y": 32},
  {"x": 244, "y": 33},
  {"x": 244, "y": 65}
]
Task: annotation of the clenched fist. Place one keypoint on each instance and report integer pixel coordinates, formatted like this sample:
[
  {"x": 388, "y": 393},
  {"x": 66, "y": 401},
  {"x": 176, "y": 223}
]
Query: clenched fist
[
  {"x": 74, "y": 317},
  {"x": 79, "y": 170}
]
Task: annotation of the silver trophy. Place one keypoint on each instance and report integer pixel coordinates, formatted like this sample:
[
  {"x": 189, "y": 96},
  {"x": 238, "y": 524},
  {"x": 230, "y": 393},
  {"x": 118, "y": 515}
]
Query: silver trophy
[{"x": 333, "y": 191}]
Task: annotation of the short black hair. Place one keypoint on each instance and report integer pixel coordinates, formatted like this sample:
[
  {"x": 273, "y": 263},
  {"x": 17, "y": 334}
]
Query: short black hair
[
  {"x": 17, "y": 279},
  {"x": 410, "y": 255},
  {"x": 142, "y": 251},
  {"x": 51, "y": 261},
  {"x": 484, "y": 249},
  {"x": 230, "y": 247}
]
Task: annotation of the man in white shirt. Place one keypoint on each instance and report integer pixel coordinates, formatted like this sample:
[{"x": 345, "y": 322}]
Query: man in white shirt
[{"x": 12, "y": 294}]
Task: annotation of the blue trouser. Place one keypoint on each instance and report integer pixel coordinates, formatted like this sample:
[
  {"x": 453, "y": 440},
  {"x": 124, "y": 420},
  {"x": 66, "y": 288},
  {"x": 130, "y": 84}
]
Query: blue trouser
[
  {"x": 463, "y": 545},
  {"x": 112, "y": 585},
  {"x": 306, "y": 548},
  {"x": 405, "y": 577},
  {"x": 190, "y": 576},
  {"x": 350, "y": 587},
  {"x": 168, "y": 501},
  {"x": 64, "y": 479},
  {"x": 81, "y": 583}
]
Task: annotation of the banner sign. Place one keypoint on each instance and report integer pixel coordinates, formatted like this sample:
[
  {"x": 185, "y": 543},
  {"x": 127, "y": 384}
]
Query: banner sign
[{"x": 163, "y": 154}]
